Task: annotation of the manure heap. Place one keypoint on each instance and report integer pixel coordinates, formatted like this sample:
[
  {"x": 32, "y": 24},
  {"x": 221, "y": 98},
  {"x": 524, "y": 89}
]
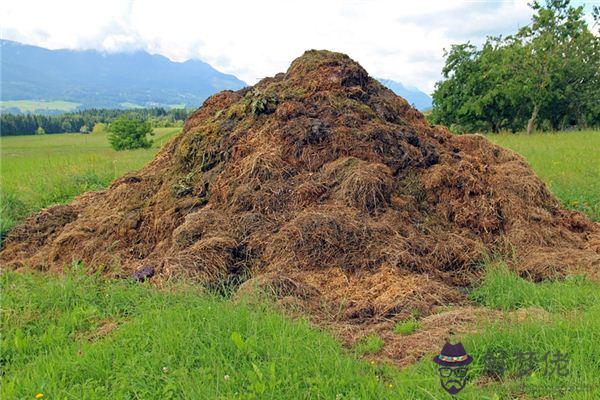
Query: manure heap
[{"x": 323, "y": 186}]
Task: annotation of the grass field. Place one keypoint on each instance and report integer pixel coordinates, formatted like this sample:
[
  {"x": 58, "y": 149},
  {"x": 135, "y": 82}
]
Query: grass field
[
  {"x": 78, "y": 336},
  {"x": 31, "y": 106},
  {"x": 568, "y": 162},
  {"x": 84, "y": 337},
  {"x": 38, "y": 171}
]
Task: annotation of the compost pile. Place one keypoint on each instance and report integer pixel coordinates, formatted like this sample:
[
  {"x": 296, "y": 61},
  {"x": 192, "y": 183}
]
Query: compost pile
[{"x": 327, "y": 189}]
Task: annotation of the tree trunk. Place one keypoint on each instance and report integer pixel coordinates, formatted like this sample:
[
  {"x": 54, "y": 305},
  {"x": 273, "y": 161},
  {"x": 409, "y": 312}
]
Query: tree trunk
[
  {"x": 495, "y": 128},
  {"x": 531, "y": 122}
]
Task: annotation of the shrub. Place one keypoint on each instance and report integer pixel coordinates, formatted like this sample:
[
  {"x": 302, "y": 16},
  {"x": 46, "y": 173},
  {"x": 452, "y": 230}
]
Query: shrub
[{"x": 127, "y": 133}]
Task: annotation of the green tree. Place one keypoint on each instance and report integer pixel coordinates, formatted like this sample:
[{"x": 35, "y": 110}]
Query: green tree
[
  {"x": 558, "y": 61},
  {"x": 40, "y": 131},
  {"x": 127, "y": 133},
  {"x": 547, "y": 74},
  {"x": 474, "y": 94}
]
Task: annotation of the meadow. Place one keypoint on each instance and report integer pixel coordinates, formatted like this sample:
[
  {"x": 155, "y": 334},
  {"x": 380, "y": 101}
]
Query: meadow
[
  {"x": 82, "y": 336},
  {"x": 568, "y": 162},
  {"x": 78, "y": 335},
  {"x": 38, "y": 171}
]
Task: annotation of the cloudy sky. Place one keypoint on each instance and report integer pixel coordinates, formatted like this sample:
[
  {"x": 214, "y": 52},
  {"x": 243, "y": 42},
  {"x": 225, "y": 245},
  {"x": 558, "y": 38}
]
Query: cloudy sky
[{"x": 398, "y": 40}]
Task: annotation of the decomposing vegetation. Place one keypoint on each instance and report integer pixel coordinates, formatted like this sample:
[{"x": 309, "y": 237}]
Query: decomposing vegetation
[{"x": 322, "y": 187}]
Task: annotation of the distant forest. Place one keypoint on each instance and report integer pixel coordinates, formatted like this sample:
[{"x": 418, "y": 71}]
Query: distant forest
[{"x": 84, "y": 121}]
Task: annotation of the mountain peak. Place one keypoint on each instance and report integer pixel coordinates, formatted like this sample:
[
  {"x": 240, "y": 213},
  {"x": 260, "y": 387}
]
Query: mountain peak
[{"x": 420, "y": 100}]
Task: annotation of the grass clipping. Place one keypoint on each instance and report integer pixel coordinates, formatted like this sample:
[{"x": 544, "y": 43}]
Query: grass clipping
[{"x": 327, "y": 189}]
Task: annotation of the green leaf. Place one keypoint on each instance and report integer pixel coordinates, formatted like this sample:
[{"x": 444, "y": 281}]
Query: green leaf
[{"x": 239, "y": 342}]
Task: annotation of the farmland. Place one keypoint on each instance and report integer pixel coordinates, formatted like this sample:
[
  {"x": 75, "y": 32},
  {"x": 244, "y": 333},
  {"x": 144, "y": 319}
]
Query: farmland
[{"x": 310, "y": 235}]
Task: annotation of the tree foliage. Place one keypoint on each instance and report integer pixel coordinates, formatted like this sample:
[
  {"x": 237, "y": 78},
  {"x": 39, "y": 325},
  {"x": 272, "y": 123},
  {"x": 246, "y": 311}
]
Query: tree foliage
[
  {"x": 27, "y": 124},
  {"x": 546, "y": 75},
  {"x": 126, "y": 133}
]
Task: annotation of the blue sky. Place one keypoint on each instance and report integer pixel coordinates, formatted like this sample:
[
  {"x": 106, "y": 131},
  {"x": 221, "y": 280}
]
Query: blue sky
[{"x": 399, "y": 40}]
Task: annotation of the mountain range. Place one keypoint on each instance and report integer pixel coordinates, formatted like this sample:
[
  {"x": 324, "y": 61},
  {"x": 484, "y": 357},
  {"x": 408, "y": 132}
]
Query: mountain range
[
  {"x": 112, "y": 80},
  {"x": 414, "y": 96},
  {"x": 35, "y": 79}
]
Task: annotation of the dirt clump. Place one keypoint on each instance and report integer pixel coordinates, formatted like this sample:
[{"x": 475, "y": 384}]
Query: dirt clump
[{"x": 326, "y": 185}]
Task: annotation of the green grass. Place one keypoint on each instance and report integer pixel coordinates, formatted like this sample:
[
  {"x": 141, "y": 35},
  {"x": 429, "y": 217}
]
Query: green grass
[
  {"x": 172, "y": 344},
  {"x": 407, "y": 327},
  {"x": 130, "y": 105},
  {"x": 135, "y": 105},
  {"x": 38, "y": 171},
  {"x": 571, "y": 326},
  {"x": 82, "y": 336},
  {"x": 567, "y": 161},
  {"x": 370, "y": 344},
  {"x": 504, "y": 290},
  {"x": 39, "y": 105}
]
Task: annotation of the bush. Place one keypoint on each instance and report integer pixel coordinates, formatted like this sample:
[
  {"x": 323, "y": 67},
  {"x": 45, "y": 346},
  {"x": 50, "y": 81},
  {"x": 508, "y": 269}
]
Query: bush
[
  {"x": 126, "y": 133},
  {"x": 40, "y": 131}
]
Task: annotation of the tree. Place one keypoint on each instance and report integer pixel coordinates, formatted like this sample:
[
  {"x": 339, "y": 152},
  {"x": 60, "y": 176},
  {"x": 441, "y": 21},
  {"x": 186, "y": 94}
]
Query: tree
[
  {"x": 451, "y": 98},
  {"x": 26, "y": 124},
  {"x": 556, "y": 46},
  {"x": 128, "y": 133},
  {"x": 84, "y": 129},
  {"x": 475, "y": 94},
  {"x": 547, "y": 74},
  {"x": 40, "y": 131}
]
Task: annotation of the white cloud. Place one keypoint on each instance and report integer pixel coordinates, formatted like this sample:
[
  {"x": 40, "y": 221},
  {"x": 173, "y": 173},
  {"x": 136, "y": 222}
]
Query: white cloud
[{"x": 399, "y": 40}]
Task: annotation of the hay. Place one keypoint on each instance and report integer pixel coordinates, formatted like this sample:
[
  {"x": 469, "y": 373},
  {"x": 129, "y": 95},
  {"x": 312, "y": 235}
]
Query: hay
[
  {"x": 326, "y": 187},
  {"x": 366, "y": 186},
  {"x": 208, "y": 260},
  {"x": 330, "y": 236}
]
